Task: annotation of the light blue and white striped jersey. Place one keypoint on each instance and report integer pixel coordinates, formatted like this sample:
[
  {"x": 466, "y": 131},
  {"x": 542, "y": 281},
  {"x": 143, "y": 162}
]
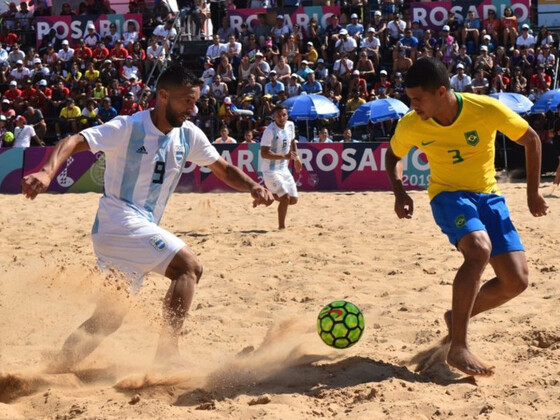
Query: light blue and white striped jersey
[
  {"x": 279, "y": 140},
  {"x": 143, "y": 165}
]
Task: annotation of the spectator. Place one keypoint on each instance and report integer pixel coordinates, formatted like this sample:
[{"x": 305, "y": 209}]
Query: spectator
[
  {"x": 129, "y": 70},
  {"x": 23, "y": 134},
  {"x": 273, "y": 86},
  {"x": 106, "y": 112},
  {"x": 464, "y": 59},
  {"x": 402, "y": 63},
  {"x": 355, "y": 28},
  {"x": 525, "y": 39},
  {"x": 19, "y": 73},
  {"x": 408, "y": 43},
  {"x": 500, "y": 82},
  {"x": 487, "y": 42},
  {"x": 545, "y": 57},
  {"x": 446, "y": 47},
  {"x": 15, "y": 55},
  {"x": 214, "y": 51},
  {"x": 291, "y": 53},
  {"x": 283, "y": 71},
  {"x": 540, "y": 81},
  {"x": 218, "y": 89},
  {"x": 492, "y": 26},
  {"x": 323, "y": 136},
  {"x": 24, "y": 17},
  {"x": 129, "y": 105},
  {"x": 3, "y": 128},
  {"x": 82, "y": 55},
  {"x": 68, "y": 119},
  {"x": 261, "y": 29},
  {"x": 396, "y": 28},
  {"x": 114, "y": 34},
  {"x": 293, "y": 88},
  {"x": 13, "y": 92},
  {"x": 7, "y": 110},
  {"x": 3, "y": 55},
  {"x": 352, "y": 104},
  {"x": 370, "y": 45},
  {"x": 398, "y": 90},
  {"x": 358, "y": 83},
  {"x": 225, "y": 138},
  {"x": 233, "y": 50},
  {"x": 92, "y": 37},
  {"x": 321, "y": 71},
  {"x": 279, "y": 31},
  {"x": 42, "y": 97},
  {"x": 544, "y": 36},
  {"x": 501, "y": 59},
  {"x": 461, "y": 81},
  {"x": 343, "y": 67},
  {"x": 509, "y": 28},
  {"x": 58, "y": 97},
  {"x": 335, "y": 86},
  {"x": 518, "y": 82},
  {"x": 66, "y": 55},
  {"x": 347, "y": 136},
  {"x": 345, "y": 44},
  {"x": 248, "y": 137},
  {"x": 35, "y": 119},
  {"x": 484, "y": 61},
  {"x": 130, "y": 36},
  {"x": 99, "y": 91},
  {"x": 252, "y": 89},
  {"x": 166, "y": 31},
  {"x": 480, "y": 83},
  {"x": 261, "y": 68},
  {"x": 471, "y": 29}
]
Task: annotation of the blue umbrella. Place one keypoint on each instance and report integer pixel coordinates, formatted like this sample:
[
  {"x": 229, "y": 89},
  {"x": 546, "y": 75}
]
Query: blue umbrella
[
  {"x": 310, "y": 107},
  {"x": 377, "y": 111},
  {"x": 515, "y": 101},
  {"x": 548, "y": 101}
]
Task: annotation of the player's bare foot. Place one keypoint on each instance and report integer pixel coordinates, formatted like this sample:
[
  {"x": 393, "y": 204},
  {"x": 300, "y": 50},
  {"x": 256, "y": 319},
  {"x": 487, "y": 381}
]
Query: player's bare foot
[{"x": 461, "y": 358}]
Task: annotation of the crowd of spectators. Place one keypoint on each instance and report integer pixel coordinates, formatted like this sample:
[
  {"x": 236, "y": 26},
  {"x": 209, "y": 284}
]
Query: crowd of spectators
[{"x": 362, "y": 55}]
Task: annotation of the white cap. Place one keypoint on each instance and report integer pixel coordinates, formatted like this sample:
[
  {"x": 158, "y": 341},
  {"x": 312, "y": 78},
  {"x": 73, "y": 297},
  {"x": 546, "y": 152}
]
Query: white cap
[
  {"x": 304, "y": 62},
  {"x": 377, "y": 13},
  {"x": 65, "y": 42},
  {"x": 259, "y": 54},
  {"x": 445, "y": 28},
  {"x": 6, "y": 101},
  {"x": 310, "y": 43},
  {"x": 383, "y": 72},
  {"x": 272, "y": 72},
  {"x": 488, "y": 37},
  {"x": 13, "y": 83},
  {"x": 91, "y": 26},
  {"x": 42, "y": 82},
  {"x": 353, "y": 16},
  {"x": 320, "y": 60},
  {"x": 356, "y": 72},
  {"x": 36, "y": 60},
  {"x": 227, "y": 100},
  {"x": 370, "y": 29},
  {"x": 343, "y": 32},
  {"x": 483, "y": 48},
  {"x": 280, "y": 17},
  {"x": 525, "y": 26},
  {"x": 460, "y": 66},
  {"x": 19, "y": 62}
]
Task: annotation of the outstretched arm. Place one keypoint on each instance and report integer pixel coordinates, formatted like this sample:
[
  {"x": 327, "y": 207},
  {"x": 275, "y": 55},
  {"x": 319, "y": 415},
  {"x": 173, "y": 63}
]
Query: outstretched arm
[
  {"x": 532, "y": 143},
  {"x": 38, "y": 182},
  {"x": 235, "y": 178},
  {"x": 404, "y": 206}
]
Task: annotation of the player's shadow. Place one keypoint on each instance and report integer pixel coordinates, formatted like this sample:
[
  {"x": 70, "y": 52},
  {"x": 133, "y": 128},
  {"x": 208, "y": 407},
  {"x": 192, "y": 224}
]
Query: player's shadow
[{"x": 314, "y": 380}]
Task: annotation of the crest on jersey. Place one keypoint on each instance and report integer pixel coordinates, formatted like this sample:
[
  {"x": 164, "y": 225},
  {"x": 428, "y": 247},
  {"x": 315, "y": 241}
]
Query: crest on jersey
[
  {"x": 158, "y": 243},
  {"x": 472, "y": 138},
  {"x": 180, "y": 154}
]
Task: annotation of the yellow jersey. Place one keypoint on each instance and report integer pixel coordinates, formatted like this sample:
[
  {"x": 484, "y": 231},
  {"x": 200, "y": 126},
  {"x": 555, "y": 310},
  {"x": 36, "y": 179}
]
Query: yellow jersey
[{"x": 461, "y": 155}]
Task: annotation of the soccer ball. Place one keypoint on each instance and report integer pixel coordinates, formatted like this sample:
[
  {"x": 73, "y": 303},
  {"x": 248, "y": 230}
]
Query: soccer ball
[
  {"x": 340, "y": 324},
  {"x": 8, "y": 137}
]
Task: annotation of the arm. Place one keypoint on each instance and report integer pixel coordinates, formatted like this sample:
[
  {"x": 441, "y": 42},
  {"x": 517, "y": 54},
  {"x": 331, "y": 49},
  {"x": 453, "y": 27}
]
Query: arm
[
  {"x": 267, "y": 154},
  {"x": 38, "y": 182},
  {"x": 235, "y": 178},
  {"x": 404, "y": 206},
  {"x": 295, "y": 156},
  {"x": 532, "y": 143}
]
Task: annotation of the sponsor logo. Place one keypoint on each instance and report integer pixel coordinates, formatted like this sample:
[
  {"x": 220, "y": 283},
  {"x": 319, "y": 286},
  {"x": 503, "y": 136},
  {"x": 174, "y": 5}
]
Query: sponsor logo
[
  {"x": 158, "y": 243},
  {"x": 460, "y": 221},
  {"x": 142, "y": 150},
  {"x": 338, "y": 312},
  {"x": 425, "y": 143},
  {"x": 472, "y": 138}
]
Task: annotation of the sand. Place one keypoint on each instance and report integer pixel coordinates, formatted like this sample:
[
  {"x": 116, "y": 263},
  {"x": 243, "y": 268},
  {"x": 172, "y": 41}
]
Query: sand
[{"x": 250, "y": 339}]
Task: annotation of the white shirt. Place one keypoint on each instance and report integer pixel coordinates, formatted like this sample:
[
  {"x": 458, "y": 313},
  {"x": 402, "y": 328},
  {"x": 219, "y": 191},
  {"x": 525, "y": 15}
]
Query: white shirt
[
  {"x": 20, "y": 75},
  {"x": 22, "y": 136},
  {"x": 459, "y": 85},
  {"x": 346, "y": 46},
  {"x": 162, "y": 32},
  {"x": 279, "y": 140},
  {"x": 528, "y": 42},
  {"x": 213, "y": 51},
  {"x": 143, "y": 165},
  {"x": 340, "y": 68},
  {"x": 65, "y": 55}
]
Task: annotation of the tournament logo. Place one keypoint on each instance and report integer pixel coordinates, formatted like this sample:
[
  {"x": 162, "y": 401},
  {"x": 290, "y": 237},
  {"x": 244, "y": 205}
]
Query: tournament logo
[
  {"x": 472, "y": 138},
  {"x": 460, "y": 221},
  {"x": 158, "y": 243}
]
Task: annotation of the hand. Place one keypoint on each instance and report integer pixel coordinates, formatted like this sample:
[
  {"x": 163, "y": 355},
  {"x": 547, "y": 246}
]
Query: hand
[
  {"x": 34, "y": 184},
  {"x": 537, "y": 205},
  {"x": 404, "y": 206},
  {"x": 261, "y": 196}
]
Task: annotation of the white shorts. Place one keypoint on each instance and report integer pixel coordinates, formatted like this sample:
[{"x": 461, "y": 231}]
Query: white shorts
[
  {"x": 280, "y": 183},
  {"x": 136, "y": 250}
]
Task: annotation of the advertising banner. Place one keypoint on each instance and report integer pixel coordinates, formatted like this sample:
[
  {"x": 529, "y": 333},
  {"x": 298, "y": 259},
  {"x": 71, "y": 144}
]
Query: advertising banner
[
  {"x": 434, "y": 14},
  {"x": 300, "y": 15},
  {"x": 73, "y": 28},
  {"x": 82, "y": 172},
  {"x": 11, "y": 169},
  {"x": 326, "y": 167}
]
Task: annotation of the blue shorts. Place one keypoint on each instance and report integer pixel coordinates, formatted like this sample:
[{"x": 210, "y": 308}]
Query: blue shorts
[{"x": 461, "y": 212}]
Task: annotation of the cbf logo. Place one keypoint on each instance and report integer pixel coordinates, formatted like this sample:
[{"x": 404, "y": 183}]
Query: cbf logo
[
  {"x": 460, "y": 221},
  {"x": 472, "y": 138},
  {"x": 180, "y": 154},
  {"x": 158, "y": 243}
]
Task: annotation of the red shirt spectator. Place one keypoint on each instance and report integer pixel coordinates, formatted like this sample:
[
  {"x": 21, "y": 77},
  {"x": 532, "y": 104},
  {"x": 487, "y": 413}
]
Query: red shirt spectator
[
  {"x": 9, "y": 39},
  {"x": 539, "y": 80},
  {"x": 27, "y": 92},
  {"x": 84, "y": 53},
  {"x": 42, "y": 95},
  {"x": 12, "y": 93},
  {"x": 129, "y": 107},
  {"x": 100, "y": 53}
]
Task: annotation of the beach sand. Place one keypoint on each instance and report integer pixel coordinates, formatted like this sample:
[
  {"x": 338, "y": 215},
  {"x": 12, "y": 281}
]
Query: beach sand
[{"x": 250, "y": 343}]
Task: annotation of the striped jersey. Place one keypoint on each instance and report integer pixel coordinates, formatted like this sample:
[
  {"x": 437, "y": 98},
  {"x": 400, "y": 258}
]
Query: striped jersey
[
  {"x": 143, "y": 165},
  {"x": 279, "y": 140}
]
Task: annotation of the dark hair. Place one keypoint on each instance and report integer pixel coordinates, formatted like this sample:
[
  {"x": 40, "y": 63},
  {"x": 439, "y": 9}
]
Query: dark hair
[
  {"x": 279, "y": 108},
  {"x": 428, "y": 73},
  {"x": 177, "y": 75}
]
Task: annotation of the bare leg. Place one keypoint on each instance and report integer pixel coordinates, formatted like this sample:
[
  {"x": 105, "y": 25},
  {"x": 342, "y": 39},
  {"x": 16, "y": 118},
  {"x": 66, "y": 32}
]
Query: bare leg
[
  {"x": 283, "y": 203},
  {"x": 557, "y": 177},
  {"x": 185, "y": 272},
  {"x": 476, "y": 250},
  {"x": 106, "y": 319}
]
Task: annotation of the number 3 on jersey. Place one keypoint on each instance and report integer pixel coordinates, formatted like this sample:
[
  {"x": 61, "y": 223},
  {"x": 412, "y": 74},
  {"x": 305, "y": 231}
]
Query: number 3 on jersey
[
  {"x": 159, "y": 172},
  {"x": 456, "y": 155}
]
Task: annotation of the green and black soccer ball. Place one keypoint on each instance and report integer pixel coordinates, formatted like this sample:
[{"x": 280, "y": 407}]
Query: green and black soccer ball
[{"x": 340, "y": 324}]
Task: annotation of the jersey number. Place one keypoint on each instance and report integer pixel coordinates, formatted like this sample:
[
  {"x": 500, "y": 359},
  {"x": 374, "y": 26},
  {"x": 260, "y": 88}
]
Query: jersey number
[
  {"x": 159, "y": 172},
  {"x": 456, "y": 155}
]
